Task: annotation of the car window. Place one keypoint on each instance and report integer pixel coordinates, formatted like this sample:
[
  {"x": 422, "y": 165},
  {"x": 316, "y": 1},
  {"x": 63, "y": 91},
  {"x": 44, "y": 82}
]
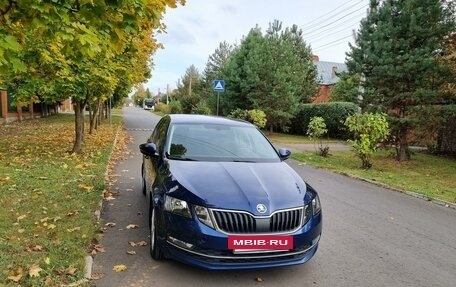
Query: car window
[
  {"x": 159, "y": 135},
  {"x": 214, "y": 142}
]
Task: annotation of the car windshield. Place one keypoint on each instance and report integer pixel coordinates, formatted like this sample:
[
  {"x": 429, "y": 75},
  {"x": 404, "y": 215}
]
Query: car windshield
[{"x": 215, "y": 142}]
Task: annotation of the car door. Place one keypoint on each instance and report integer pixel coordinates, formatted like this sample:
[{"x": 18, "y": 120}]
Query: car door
[{"x": 153, "y": 164}]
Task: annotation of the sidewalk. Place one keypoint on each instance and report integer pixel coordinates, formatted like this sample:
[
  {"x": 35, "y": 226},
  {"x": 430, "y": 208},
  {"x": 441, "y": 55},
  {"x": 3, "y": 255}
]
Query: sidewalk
[{"x": 295, "y": 147}]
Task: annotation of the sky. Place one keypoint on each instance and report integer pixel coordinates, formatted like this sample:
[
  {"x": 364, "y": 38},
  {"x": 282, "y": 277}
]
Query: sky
[{"x": 195, "y": 30}]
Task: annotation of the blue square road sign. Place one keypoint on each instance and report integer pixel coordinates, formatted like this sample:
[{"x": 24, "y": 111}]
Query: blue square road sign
[{"x": 219, "y": 85}]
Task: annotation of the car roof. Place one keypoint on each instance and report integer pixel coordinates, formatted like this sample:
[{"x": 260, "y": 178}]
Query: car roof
[{"x": 203, "y": 119}]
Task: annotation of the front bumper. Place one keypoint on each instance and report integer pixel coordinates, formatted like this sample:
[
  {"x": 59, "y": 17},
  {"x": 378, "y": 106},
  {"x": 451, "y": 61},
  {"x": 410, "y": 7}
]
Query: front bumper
[{"x": 194, "y": 243}]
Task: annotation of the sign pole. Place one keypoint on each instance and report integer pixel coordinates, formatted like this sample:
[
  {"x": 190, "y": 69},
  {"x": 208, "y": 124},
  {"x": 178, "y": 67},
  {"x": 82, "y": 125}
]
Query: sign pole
[{"x": 218, "y": 101}]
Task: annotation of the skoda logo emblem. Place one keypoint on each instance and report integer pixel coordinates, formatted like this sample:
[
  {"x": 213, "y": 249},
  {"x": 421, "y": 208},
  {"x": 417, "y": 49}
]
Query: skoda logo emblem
[{"x": 261, "y": 208}]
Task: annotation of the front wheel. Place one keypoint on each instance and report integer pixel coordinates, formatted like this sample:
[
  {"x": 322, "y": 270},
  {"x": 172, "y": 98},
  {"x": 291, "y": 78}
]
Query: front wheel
[{"x": 155, "y": 251}]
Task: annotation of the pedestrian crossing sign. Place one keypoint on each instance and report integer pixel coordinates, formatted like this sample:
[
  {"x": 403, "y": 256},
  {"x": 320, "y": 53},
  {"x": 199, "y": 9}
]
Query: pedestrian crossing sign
[{"x": 219, "y": 85}]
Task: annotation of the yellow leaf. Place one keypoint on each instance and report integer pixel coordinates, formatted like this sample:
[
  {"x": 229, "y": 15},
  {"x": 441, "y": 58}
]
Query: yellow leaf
[
  {"x": 132, "y": 226},
  {"x": 51, "y": 226},
  {"x": 19, "y": 218},
  {"x": 142, "y": 243},
  {"x": 34, "y": 271},
  {"x": 119, "y": 268},
  {"x": 47, "y": 260},
  {"x": 132, "y": 252},
  {"x": 15, "y": 278},
  {"x": 70, "y": 270}
]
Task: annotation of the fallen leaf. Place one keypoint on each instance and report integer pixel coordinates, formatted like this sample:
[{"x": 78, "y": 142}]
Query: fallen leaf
[
  {"x": 132, "y": 226},
  {"x": 119, "y": 268},
  {"x": 70, "y": 270},
  {"x": 15, "y": 278},
  {"x": 142, "y": 243},
  {"x": 37, "y": 248},
  {"x": 133, "y": 244},
  {"x": 47, "y": 260},
  {"x": 132, "y": 252},
  {"x": 48, "y": 281},
  {"x": 73, "y": 229},
  {"x": 19, "y": 218},
  {"x": 97, "y": 276},
  {"x": 110, "y": 224},
  {"x": 34, "y": 271},
  {"x": 259, "y": 279}
]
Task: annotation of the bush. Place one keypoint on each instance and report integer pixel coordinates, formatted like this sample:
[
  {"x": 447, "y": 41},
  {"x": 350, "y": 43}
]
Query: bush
[
  {"x": 175, "y": 107},
  {"x": 316, "y": 130},
  {"x": 202, "y": 108},
  {"x": 369, "y": 130},
  {"x": 162, "y": 107},
  {"x": 256, "y": 117},
  {"x": 333, "y": 113}
]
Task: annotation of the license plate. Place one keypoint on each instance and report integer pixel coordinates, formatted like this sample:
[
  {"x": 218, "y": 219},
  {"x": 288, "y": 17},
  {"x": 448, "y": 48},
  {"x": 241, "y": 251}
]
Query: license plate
[{"x": 260, "y": 242}]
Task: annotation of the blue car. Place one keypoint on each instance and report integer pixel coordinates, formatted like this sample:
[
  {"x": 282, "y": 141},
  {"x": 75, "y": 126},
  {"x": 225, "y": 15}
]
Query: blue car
[{"x": 221, "y": 196}]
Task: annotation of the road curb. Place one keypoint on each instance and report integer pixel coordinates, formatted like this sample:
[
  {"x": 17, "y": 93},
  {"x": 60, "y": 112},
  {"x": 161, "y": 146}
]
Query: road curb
[
  {"x": 89, "y": 259},
  {"x": 410, "y": 193}
]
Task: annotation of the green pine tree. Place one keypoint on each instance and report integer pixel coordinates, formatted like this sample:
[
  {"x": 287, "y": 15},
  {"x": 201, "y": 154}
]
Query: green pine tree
[{"x": 395, "y": 53}]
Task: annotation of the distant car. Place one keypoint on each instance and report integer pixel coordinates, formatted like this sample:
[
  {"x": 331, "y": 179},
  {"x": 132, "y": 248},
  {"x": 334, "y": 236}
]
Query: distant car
[
  {"x": 149, "y": 104},
  {"x": 220, "y": 196}
]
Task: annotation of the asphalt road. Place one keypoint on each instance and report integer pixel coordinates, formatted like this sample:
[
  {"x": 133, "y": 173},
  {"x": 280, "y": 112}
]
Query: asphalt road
[{"x": 371, "y": 236}]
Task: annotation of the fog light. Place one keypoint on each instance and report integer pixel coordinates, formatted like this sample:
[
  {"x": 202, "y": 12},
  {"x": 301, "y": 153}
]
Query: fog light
[
  {"x": 316, "y": 239},
  {"x": 180, "y": 243}
]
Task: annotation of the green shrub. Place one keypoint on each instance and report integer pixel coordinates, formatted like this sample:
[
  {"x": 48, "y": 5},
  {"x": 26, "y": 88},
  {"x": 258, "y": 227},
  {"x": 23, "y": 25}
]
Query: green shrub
[
  {"x": 369, "y": 130},
  {"x": 162, "y": 107},
  {"x": 175, "y": 107},
  {"x": 201, "y": 108},
  {"x": 334, "y": 114},
  {"x": 316, "y": 130},
  {"x": 256, "y": 117}
]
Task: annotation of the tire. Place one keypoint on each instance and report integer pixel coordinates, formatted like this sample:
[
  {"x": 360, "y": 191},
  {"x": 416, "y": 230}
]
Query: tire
[{"x": 154, "y": 247}]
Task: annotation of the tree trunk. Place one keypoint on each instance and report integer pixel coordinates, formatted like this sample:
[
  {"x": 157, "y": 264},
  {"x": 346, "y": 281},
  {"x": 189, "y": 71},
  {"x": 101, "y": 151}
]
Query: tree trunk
[
  {"x": 94, "y": 118},
  {"x": 402, "y": 148},
  {"x": 79, "y": 126}
]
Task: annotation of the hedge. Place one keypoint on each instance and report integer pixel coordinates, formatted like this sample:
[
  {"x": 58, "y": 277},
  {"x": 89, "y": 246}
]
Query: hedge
[{"x": 334, "y": 114}]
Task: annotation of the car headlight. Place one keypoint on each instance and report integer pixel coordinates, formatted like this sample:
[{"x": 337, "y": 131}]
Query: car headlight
[
  {"x": 177, "y": 206},
  {"x": 203, "y": 215},
  {"x": 316, "y": 206}
]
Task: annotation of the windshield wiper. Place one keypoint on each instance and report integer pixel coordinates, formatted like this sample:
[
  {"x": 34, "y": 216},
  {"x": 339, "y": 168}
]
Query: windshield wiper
[
  {"x": 178, "y": 157},
  {"x": 241, "y": 160}
]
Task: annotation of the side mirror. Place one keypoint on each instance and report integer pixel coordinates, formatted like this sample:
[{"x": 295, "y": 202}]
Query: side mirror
[
  {"x": 284, "y": 153},
  {"x": 148, "y": 149}
]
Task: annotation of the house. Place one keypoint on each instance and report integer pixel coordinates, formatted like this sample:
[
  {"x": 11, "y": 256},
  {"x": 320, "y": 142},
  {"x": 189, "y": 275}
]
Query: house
[
  {"x": 326, "y": 77},
  {"x": 10, "y": 113}
]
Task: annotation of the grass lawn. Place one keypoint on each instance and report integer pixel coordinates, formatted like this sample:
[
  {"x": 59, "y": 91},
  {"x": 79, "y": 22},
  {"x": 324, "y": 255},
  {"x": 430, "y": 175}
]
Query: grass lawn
[
  {"x": 293, "y": 139},
  {"x": 48, "y": 199},
  {"x": 431, "y": 176}
]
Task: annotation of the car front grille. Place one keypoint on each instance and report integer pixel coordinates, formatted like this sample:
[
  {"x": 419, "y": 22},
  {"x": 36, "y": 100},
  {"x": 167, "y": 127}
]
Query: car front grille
[{"x": 240, "y": 222}]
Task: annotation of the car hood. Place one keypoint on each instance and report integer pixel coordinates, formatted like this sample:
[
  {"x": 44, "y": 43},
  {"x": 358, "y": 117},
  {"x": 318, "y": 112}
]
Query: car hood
[{"x": 235, "y": 185}]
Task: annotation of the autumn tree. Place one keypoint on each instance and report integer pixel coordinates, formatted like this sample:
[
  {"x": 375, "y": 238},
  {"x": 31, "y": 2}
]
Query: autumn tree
[
  {"x": 395, "y": 53},
  {"x": 88, "y": 48}
]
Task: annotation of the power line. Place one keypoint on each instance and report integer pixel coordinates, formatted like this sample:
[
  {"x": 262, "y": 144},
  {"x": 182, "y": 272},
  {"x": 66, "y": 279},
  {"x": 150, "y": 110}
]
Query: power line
[
  {"x": 340, "y": 18},
  {"x": 330, "y": 44},
  {"x": 321, "y": 16},
  {"x": 322, "y": 34}
]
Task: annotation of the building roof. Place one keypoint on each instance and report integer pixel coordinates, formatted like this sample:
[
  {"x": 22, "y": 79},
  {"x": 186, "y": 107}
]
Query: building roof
[{"x": 326, "y": 72}]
